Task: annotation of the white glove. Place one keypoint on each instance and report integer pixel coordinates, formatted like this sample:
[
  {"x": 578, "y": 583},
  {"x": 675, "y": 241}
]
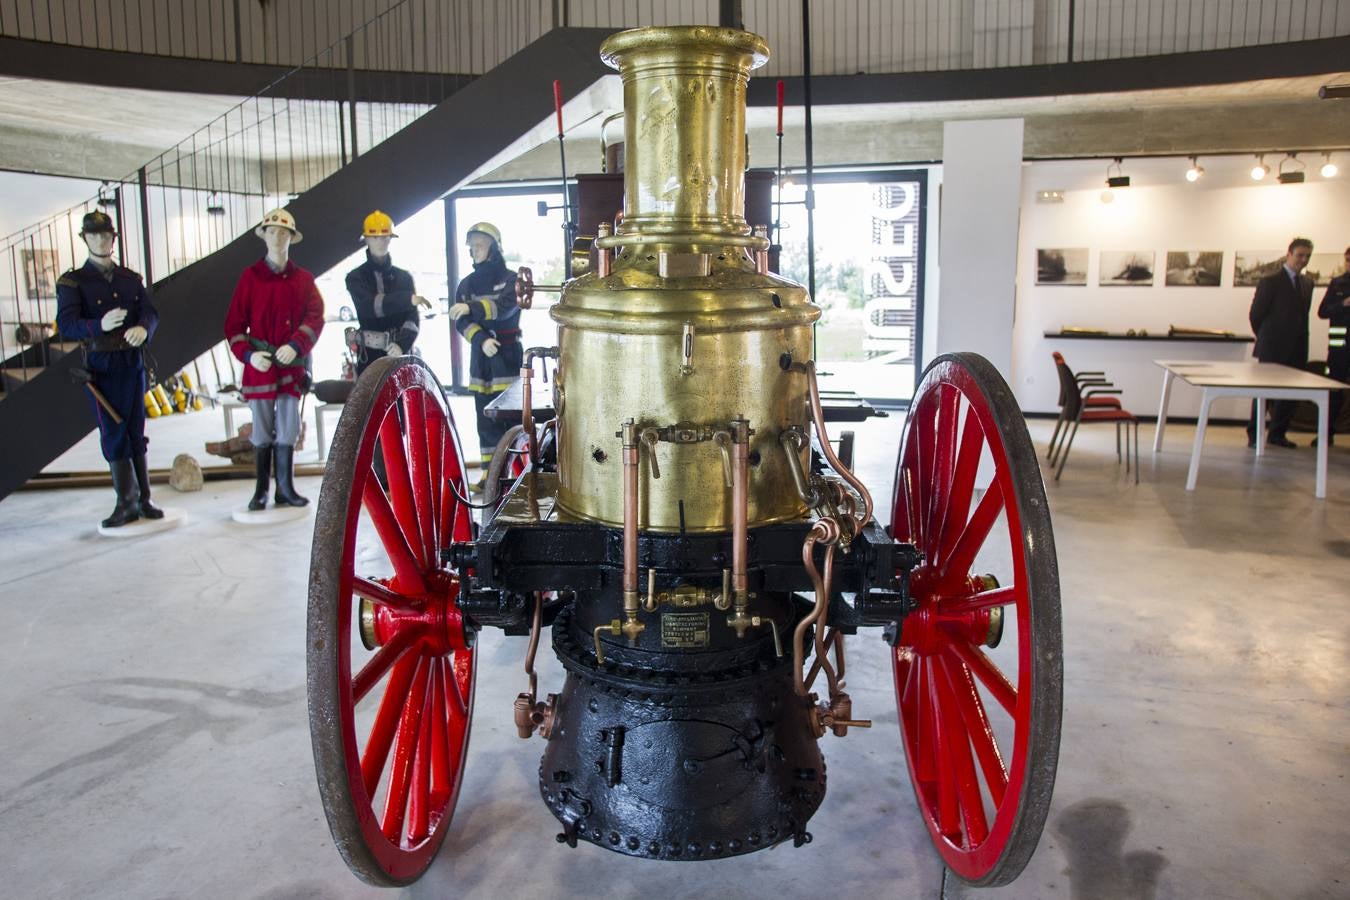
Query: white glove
[
  {"x": 419, "y": 300},
  {"x": 260, "y": 360},
  {"x": 286, "y": 354},
  {"x": 113, "y": 318},
  {"x": 459, "y": 309},
  {"x": 491, "y": 346},
  {"x": 393, "y": 350},
  {"x": 136, "y": 335}
]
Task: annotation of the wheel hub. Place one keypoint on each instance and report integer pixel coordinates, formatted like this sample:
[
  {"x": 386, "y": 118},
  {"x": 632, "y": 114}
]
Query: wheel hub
[
  {"x": 437, "y": 620},
  {"x": 930, "y": 626}
]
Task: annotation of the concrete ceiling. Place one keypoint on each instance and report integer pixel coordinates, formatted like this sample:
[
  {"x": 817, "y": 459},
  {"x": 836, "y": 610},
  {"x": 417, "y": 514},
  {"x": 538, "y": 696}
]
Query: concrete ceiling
[{"x": 103, "y": 132}]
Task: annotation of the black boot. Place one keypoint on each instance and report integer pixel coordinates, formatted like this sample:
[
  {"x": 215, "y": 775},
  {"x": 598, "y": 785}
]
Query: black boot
[
  {"x": 263, "y": 467},
  {"x": 124, "y": 484},
  {"x": 147, "y": 509},
  {"x": 285, "y": 494}
]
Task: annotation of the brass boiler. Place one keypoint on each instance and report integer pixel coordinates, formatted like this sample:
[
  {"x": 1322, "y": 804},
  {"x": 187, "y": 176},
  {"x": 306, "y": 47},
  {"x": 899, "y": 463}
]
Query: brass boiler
[{"x": 682, "y": 330}]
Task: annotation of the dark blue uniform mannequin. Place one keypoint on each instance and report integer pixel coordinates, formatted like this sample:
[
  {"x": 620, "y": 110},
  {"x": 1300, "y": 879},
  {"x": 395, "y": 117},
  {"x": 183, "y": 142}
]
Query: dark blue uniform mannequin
[
  {"x": 84, "y": 299},
  {"x": 83, "y": 296}
]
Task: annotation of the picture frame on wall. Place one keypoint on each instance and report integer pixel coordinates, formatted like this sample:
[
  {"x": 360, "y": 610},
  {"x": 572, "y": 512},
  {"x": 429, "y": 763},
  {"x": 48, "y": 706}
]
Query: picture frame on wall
[
  {"x": 1250, "y": 266},
  {"x": 1194, "y": 268},
  {"x": 1323, "y": 267},
  {"x": 41, "y": 268},
  {"x": 1062, "y": 265},
  {"x": 1125, "y": 268}
]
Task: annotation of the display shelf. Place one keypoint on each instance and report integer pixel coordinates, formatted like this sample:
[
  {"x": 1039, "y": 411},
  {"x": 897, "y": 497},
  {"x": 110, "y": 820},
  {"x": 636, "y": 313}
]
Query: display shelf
[{"x": 1180, "y": 338}]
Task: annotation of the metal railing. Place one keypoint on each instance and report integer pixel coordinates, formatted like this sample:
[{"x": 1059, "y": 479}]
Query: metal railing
[
  {"x": 848, "y": 36},
  {"x": 202, "y": 193}
]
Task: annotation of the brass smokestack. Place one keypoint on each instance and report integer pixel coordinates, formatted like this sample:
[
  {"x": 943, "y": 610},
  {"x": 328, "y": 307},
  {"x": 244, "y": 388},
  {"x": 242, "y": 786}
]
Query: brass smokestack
[{"x": 684, "y": 97}]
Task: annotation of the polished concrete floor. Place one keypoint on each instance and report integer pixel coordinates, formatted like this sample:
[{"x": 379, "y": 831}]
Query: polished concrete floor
[{"x": 155, "y": 740}]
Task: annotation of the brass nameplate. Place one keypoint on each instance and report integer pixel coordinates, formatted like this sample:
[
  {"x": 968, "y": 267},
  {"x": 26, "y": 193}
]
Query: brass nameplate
[{"x": 685, "y": 630}]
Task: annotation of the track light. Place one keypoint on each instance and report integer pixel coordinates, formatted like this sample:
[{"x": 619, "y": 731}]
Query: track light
[
  {"x": 1329, "y": 169},
  {"x": 107, "y": 195},
  {"x": 1117, "y": 180},
  {"x": 214, "y": 206},
  {"x": 1195, "y": 172},
  {"x": 1295, "y": 173},
  {"x": 1259, "y": 171}
]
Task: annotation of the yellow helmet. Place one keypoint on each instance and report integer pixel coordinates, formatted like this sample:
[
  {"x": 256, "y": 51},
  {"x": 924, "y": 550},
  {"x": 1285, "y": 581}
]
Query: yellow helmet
[
  {"x": 378, "y": 224},
  {"x": 485, "y": 228}
]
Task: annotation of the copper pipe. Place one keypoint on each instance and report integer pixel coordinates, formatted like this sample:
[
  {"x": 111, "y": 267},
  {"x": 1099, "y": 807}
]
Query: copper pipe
[
  {"x": 818, "y": 415},
  {"x": 762, "y": 254},
  {"x": 824, "y": 531},
  {"x": 536, "y": 622},
  {"x": 740, "y": 502},
  {"x": 603, "y": 260},
  {"x": 631, "y": 626},
  {"x": 527, "y": 410}
]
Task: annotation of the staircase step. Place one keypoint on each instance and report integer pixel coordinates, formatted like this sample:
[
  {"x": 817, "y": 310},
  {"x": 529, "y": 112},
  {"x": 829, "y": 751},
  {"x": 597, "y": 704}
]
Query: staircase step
[{"x": 17, "y": 378}]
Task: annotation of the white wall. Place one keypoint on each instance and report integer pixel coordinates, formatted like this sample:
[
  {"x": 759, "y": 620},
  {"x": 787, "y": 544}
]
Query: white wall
[
  {"x": 977, "y": 237},
  {"x": 1160, "y": 211}
]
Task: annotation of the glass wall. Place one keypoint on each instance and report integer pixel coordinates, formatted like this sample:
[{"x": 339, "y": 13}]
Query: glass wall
[{"x": 869, "y": 244}]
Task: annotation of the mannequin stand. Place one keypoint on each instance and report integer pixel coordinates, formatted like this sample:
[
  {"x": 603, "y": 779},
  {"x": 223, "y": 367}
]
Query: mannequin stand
[{"x": 173, "y": 518}]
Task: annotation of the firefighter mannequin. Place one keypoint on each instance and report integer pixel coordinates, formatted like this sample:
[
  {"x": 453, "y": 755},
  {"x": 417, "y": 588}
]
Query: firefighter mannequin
[
  {"x": 274, "y": 321},
  {"x": 486, "y": 315},
  {"x": 384, "y": 297},
  {"x": 105, "y": 306}
]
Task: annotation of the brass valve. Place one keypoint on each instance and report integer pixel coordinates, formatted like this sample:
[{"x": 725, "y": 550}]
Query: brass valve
[
  {"x": 535, "y": 715},
  {"x": 835, "y": 716}
]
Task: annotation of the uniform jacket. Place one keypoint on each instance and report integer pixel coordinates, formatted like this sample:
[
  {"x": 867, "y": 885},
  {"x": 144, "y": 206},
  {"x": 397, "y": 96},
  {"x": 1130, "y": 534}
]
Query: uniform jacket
[
  {"x": 490, "y": 292},
  {"x": 382, "y": 294},
  {"x": 276, "y": 308},
  {"x": 1279, "y": 318},
  {"x": 1332, "y": 304},
  {"x": 83, "y": 295}
]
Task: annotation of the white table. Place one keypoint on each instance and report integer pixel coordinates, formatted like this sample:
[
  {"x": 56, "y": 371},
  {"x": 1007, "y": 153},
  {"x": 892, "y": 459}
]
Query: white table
[{"x": 1262, "y": 381}]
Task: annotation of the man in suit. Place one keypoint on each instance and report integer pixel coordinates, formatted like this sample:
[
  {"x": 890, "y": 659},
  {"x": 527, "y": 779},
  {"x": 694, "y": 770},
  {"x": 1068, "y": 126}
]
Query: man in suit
[
  {"x": 1279, "y": 317},
  {"x": 1336, "y": 307}
]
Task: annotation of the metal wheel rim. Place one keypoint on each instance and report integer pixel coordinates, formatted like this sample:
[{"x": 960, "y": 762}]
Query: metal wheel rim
[
  {"x": 441, "y": 673},
  {"x": 966, "y": 389}
]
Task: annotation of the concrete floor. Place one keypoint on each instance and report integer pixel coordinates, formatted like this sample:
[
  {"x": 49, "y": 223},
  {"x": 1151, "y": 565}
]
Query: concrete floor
[{"x": 156, "y": 742}]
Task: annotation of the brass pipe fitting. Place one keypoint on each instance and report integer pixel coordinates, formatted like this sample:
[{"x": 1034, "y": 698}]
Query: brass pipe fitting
[
  {"x": 530, "y": 714},
  {"x": 723, "y": 601},
  {"x": 652, "y": 600},
  {"x": 651, "y": 436},
  {"x": 603, "y": 259},
  {"x": 762, "y": 253},
  {"x": 613, "y": 627},
  {"x": 793, "y": 442},
  {"x": 631, "y": 627},
  {"x": 722, "y": 440},
  {"x": 740, "y": 538},
  {"x": 687, "y": 349}
]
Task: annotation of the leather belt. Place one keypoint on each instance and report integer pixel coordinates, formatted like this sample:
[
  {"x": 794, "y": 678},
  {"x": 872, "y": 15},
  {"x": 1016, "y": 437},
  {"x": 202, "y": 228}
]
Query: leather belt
[{"x": 107, "y": 343}]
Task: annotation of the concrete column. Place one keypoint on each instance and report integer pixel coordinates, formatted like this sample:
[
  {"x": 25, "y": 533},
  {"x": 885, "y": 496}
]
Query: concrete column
[{"x": 977, "y": 238}]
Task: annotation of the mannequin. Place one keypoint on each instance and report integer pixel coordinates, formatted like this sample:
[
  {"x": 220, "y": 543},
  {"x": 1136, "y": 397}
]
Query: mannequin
[
  {"x": 384, "y": 297},
  {"x": 274, "y": 320},
  {"x": 107, "y": 308},
  {"x": 486, "y": 314}
]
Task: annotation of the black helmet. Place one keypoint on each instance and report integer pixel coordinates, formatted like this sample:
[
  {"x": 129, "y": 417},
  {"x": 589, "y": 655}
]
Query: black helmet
[{"x": 97, "y": 222}]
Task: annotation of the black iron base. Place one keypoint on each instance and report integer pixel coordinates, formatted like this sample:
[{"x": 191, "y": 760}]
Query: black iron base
[{"x": 663, "y": 762}]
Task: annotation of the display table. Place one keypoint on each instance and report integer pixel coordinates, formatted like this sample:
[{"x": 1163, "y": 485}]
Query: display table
[{"x": 1262, "y": 381}]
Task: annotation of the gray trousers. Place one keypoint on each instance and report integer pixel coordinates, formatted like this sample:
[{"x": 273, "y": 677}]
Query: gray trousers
[{"x": 275, "y": 421}]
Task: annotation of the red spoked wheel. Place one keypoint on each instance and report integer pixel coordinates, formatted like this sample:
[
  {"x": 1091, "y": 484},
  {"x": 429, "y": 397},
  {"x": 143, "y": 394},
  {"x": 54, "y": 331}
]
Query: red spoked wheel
[
  {"x": 391, "y": 664},
  {"x": 978, "y": 666}
]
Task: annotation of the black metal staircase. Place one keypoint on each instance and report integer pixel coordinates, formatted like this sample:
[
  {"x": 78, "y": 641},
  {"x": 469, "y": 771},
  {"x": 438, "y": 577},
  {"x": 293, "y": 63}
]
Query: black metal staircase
[{"x": 47, "y": 412}]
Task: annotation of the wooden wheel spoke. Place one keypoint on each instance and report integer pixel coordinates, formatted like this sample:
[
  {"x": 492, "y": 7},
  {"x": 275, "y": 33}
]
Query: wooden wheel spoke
[
  {"x": 944, "y": 460},
  {"x": 947, "y": 811},
  {"x": 962, "y": 767},
  {"x": 925, "y": 764},
  {"x": 957, "y": 565},
  {"x": 963, "y": 485},
  {"x": 419, "y": 473},
  {"x": 386, "y": 722},
  {"x": 405, "y": 746},
  {"x": 399, "y": 476},
  {"x": 969, "y": 603},
  {"x": 998, "y": 685},
  {"x": 419, "y": 801},
  {"x": 383, "y": 595},
  {"x": 436, "y": 456},
  {"x": 386, "y": 656},
  {"x": 977, "y": 726},
  {"x": 407, "y": 570},
  {"x": 441, "y": 780},
  {"x": 459, "y": 705}
]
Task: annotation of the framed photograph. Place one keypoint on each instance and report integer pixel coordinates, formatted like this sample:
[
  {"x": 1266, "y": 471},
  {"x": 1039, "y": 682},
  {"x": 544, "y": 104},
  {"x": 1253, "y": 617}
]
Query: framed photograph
[
  {"x": 1250, "y": 266},
  {"x": 1062, "y": 265},
  {"x": 1125, "y": 268},
  {"x": 41, "y": 268},
  {"x": 1194, "y": 268},
  {"x": 1325, "y": 266}
]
